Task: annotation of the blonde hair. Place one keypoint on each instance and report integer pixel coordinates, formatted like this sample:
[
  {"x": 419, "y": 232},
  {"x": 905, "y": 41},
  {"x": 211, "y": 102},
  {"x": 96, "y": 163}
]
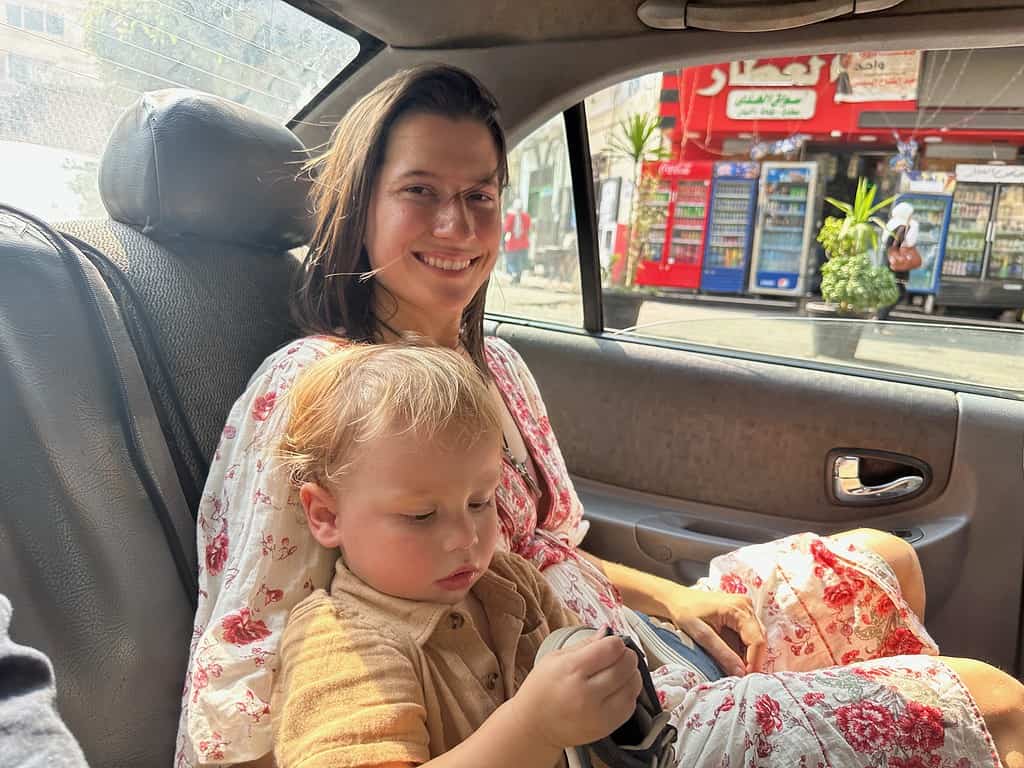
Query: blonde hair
[{"x": 367, "y": 391}]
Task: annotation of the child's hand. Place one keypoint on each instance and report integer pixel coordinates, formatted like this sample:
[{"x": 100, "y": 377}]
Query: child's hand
[{"x": 580, "y": 694}]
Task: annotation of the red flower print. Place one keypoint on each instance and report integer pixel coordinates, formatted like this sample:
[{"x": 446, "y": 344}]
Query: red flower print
[
  {"x": 241, "y": 629},
  {"x": 263, "y": 406},
  {"x": 822, "y": 554},
  {"x": 922, "y": 727},
  {"x": 229, "y": 432},
  {"x": 270, "y": 595},
  {"x": 727, "y": 703},
  {"x": 812, "y": 699},
  {"x": 732, "y": 583},
  {"x": 850, "y": 657},
  {"x": 901, "y": 642},
  {"x": 866, "y": 726},
  {"x": 764, "y": 748},
  {"x": 841, "y": 594},
  {"x": 768, "y": 714},
  {"x": 217, "y": 550},
  {"x": 884, "y": 606}
]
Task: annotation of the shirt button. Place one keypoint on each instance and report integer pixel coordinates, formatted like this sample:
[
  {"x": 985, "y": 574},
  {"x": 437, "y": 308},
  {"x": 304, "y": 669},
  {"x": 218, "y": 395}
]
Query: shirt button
[
  {"x": 455, "y": 620},
  {"x": 492, "y": 681}
]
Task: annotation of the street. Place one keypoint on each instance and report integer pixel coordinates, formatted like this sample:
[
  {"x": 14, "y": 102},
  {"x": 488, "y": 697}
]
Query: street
[{"x": 990, "y": 353}]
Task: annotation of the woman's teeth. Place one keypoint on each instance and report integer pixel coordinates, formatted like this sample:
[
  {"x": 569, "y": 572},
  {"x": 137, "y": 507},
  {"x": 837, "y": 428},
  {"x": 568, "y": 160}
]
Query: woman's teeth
[{"x": 446, "y": 264}]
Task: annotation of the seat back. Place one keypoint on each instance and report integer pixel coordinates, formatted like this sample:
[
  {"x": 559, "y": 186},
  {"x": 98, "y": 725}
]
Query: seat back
[{"x": 119, "y": 361}]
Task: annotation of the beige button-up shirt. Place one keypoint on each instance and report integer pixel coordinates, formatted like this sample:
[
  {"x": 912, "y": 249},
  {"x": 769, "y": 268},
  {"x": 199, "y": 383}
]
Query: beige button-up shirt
[{"x": 367, "y": 678}]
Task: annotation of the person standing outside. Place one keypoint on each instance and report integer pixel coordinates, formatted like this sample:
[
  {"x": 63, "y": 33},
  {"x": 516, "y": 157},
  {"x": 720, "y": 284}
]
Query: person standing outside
[
  {"x": 517, "y": 240},
  {"x": 901, "y": 254}
]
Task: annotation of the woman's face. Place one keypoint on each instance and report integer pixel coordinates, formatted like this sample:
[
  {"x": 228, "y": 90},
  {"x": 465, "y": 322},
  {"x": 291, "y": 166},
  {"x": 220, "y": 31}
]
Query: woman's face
[{"x": 434, "y": 222}]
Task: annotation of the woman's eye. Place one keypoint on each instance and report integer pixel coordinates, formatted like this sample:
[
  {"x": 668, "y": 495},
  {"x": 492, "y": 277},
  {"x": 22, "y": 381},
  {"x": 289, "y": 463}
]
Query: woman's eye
[
  {"x": 481, "y": 197},
  {"x": 418, "y": 190}
]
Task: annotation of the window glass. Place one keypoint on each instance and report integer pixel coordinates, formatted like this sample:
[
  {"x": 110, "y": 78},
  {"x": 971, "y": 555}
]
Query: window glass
[
  {"x": 32, "y": 19},
  {"x": 537, "y": 275},
  {"x": 75, "y": 65},
  {"x": 54, "y": 24},
  {"x": 713, "y": 185}
]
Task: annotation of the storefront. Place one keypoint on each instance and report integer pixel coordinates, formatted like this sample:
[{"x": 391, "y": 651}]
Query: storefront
[{"x": 888, "y": 117}]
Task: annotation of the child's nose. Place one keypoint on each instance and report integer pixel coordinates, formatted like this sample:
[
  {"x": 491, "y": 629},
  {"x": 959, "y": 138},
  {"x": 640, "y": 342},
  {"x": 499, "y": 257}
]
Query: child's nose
[{"x": 462, "y": 534}]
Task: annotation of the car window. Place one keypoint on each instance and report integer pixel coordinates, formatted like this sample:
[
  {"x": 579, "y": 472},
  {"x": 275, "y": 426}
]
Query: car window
[
  {"x": 712, "y": 185},
  {"x": 537, "y": 275},
  {"x": 68, "y": 69}
]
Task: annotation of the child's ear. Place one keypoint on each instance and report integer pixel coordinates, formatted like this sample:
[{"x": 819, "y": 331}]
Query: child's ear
[{"x": 321, "y": 514}]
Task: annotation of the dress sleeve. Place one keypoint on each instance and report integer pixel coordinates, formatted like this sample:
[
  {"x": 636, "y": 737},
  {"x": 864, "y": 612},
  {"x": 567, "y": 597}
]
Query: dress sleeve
[
  {"x": 257, "y": 561},
  {"x": 348, "y": 694},
  {"x": 564, "y": 520}
]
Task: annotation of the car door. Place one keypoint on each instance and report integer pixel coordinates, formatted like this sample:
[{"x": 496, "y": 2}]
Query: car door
[{"x": 716, "y": 423}]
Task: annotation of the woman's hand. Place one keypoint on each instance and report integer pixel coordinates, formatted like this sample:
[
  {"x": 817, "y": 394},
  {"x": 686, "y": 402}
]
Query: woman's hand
[{"x": 721, "y": 623}]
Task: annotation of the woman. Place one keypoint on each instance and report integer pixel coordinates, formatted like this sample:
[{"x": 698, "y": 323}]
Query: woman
[
  {"x": 408, "y": 231},
  {"x": 901, "y": 252}
]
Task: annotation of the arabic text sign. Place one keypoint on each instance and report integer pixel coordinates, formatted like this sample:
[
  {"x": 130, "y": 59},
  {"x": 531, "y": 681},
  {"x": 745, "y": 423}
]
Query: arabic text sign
[
  {"x": 876, "y": 76},
  {"x": 770, "y": 104},
  {"x": 1003, "y": 174}
]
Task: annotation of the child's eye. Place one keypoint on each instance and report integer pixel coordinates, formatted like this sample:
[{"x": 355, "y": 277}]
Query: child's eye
[
  {"x": 422, "y": 517},
  {"x": 480, "y": 506}
]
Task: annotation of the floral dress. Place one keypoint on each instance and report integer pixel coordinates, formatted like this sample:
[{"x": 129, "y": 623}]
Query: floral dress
[{"x": 853, "y": 679}]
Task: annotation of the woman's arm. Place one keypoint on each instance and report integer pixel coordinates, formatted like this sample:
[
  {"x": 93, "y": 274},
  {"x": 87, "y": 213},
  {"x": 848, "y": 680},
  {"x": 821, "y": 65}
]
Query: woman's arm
[{"x": 722, "y": 624}]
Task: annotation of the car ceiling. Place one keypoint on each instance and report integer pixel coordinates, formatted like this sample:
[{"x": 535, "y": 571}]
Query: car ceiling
[
  {"x": 445, "y": 24},
  {"x": 541, "y": 56}
]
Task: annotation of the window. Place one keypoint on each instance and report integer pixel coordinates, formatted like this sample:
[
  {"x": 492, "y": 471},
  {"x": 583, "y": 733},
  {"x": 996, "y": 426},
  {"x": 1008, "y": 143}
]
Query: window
[
  {"x": 55, "y": 24},
  {"x": 33, "y": 19},
  {"x": 537, "y": 275},
  {"x": 711, "y": 189},
  {"x": 76, "y": 66}
]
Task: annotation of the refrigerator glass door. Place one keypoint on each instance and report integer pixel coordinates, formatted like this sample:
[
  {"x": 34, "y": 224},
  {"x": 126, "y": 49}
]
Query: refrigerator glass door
[
  {"x": 727, "y": 242},
  {"x": 688, "y": 222},
  {"x": 930, "y": 213},
  {"x": 1006, "y": 258},
  {"x": 968, "y": 230},
  {"x": 781, "y": 247}
]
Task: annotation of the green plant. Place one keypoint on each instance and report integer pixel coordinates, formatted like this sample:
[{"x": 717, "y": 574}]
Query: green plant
[
  {"x": 638, "y": 137},
  {"x": 849, "y": 277}
]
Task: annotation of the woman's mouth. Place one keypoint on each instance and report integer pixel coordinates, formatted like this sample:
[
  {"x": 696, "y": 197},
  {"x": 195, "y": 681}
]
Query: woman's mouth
[{"x": 445, "y": 263}]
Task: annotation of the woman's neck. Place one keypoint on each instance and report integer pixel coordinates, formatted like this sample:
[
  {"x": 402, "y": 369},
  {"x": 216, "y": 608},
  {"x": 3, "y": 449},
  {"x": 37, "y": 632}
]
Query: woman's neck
[{"x": 443, "y": 331}]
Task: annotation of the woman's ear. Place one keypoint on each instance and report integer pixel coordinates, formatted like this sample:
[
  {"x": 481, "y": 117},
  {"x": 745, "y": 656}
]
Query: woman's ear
[{"x": 321, "y": 514}]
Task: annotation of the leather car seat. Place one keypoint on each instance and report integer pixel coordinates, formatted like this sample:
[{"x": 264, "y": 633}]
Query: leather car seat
[{"x": 118, "y": 364}]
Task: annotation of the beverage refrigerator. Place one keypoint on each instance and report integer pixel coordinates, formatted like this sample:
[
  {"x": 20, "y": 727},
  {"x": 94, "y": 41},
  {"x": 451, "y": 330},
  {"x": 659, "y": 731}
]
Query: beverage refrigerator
[
  {"x": 788, "y": 211},
  {"x": 931, "y": 211},
  {"x": 983, "y": 265},
  {"x": 730, "y": 227},
  {"x": 675, "y": 248}
]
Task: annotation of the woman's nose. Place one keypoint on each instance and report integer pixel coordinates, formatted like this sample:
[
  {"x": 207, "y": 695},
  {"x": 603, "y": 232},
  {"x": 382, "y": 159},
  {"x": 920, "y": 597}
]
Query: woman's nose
[{"x": 453, "y": 220}]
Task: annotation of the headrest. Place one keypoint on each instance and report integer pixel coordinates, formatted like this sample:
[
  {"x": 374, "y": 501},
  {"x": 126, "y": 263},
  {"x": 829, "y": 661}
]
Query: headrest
[{"x": 180, "y": 162}]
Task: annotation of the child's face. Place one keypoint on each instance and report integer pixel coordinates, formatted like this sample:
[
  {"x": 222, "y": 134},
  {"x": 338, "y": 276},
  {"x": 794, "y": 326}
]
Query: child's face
[{"x": 416, "y": 518}]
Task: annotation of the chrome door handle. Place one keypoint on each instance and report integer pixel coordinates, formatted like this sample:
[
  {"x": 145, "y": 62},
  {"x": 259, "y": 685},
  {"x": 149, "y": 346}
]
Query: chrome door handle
[{"x": 847, "y": 485}]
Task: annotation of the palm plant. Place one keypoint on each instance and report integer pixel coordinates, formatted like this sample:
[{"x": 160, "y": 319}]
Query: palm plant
[
  {"x": 849, "y": 278},
  {"x": 637, "y": 137}
]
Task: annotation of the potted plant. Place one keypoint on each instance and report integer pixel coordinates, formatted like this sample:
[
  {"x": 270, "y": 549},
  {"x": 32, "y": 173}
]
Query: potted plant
[
  {"x": 638, "y": 137},
  {"x": 853, "y": 287}
]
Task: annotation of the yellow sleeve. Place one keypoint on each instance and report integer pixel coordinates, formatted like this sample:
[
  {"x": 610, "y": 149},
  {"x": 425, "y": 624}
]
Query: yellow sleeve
[{"x": 347, "y": 694}]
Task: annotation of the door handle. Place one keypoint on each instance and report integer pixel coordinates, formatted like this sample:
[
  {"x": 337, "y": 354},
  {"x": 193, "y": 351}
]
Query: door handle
[{"x": 849, "y": 489}]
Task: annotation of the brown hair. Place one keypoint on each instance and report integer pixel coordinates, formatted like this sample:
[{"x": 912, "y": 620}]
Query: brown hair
[
  {"x": 366, "y": 391},
  {"x": 330, "y": 294}
]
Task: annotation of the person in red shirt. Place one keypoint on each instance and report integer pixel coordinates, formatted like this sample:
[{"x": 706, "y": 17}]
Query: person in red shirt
[{"x": 517, "y": 240}]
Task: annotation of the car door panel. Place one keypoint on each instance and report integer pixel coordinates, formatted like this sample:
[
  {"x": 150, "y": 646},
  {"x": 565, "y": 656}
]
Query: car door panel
[{"x": 681, "y": 456}]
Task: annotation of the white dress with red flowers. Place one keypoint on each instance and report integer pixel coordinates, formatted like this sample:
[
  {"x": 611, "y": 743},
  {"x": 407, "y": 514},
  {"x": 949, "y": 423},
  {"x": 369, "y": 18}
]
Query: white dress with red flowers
[{"x": 822, "y": 605}]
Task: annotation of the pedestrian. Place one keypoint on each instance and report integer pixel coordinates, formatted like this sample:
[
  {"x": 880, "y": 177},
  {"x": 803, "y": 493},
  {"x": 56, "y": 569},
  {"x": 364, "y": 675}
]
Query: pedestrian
[
  {"x": 901, "y": 252},
  {"x": 517, "y": 240}
]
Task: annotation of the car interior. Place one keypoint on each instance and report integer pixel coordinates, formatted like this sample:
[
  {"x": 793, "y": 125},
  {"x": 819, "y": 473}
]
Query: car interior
[{"x": 124, "y": 341}]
